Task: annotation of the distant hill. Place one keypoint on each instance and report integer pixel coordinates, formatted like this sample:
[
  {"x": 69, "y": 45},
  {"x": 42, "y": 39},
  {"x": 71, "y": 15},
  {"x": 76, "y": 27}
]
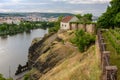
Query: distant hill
[{"x": 34, "y": 14}]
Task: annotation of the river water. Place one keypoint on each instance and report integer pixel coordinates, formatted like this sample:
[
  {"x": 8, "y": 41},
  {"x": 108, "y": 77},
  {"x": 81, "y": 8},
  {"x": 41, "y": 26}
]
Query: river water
[{"x": 14, "y": 50}]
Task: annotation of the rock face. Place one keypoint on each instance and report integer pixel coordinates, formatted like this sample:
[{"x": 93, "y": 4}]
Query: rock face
[
  {"x": 55, "y": 58},
  {"x": 39, "y": 47}
]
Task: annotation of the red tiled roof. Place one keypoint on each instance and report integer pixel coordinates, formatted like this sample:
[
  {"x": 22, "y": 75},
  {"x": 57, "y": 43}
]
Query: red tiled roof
[{"x": 67, "y": 18}]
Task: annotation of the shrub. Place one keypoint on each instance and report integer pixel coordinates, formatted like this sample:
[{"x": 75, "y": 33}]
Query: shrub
[
  {"x": 54, "y": 29},
  {"x": 83, "y": 40},
  {"x": 2, "y": 78},
  {"x": 26, "y": 77}
]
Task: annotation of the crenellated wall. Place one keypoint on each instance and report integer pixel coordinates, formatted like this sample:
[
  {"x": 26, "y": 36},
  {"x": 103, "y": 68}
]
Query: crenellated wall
[
  {"x": 82, "y": 26},
  {"x": 90, "y": 28},
  {"x": 73, "y": 26}
]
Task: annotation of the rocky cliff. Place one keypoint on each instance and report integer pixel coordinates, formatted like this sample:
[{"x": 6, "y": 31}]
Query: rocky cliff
[{"x": 55, "y": 58}]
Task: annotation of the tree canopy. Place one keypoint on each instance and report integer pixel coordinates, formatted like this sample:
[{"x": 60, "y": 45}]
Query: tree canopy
[
  {"x": 79, "y": 16},
  {"x": 56, "y": 25},
  {"x": 86, "y": 18},
  {"x": 111, "y": 18}
]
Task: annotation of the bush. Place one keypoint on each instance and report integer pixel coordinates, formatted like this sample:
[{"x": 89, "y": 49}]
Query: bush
[
  {"x": 54, "y": 29},
  {"x": 26, "y": 77},
  {"x": 2, "y": 78},
  {"x": 83, "y": 40}
]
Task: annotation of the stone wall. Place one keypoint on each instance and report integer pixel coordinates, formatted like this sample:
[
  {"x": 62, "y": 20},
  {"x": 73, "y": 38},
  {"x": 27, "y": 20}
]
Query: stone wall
[
  {"x": 90, "y": 28},
  {"x": 82, "y": 26},
  {"x": 74, "y": 26}
]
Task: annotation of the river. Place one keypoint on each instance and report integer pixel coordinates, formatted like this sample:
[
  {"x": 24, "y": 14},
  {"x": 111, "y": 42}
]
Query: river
[{"x": 14, "y": 50}]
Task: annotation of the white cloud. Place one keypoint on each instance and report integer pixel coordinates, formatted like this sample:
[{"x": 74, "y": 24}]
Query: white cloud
[
  {"x": 24, "y": 4},
  {"x": 83, "y": 1},
  {"x": 59, "y": 0},
  {"x": 15, "y": 1},
  {"x": 42, "y": 10},
  {"x": 5, "y": 10},
  {"x": 95, "y": 6}
]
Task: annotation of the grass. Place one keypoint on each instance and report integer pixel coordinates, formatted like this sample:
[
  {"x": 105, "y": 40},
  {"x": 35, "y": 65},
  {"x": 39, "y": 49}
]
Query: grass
[
  {"x": 78, "y": 67},
  {"x": 72, "y": 64},
  {"x": 28, "y": 74},
  {"x": 114, "y": 56}
]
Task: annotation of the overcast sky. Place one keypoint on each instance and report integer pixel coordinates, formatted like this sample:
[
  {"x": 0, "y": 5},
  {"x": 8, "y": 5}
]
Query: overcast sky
[{"x": 69, "y": 6}]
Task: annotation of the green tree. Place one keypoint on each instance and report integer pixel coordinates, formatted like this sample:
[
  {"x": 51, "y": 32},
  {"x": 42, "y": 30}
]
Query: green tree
[
  {"x": 108, "y": 19},
  {"x": 88, "y": 16},
  {"x": 56, "y": 25},
  {"x": 60, "y": 19},
  {"x": 117, "y": 20},
  {"x": 79, "y": 16},
  {"x": 3, "y": 28}
]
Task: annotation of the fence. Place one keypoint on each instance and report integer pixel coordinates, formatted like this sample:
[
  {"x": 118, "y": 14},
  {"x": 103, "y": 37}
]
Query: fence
[{"x": 108, "y": 72}]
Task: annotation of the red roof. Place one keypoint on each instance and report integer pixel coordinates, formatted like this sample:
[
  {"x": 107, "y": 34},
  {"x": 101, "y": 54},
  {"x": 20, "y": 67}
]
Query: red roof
[{"x": 67, "y": 18}]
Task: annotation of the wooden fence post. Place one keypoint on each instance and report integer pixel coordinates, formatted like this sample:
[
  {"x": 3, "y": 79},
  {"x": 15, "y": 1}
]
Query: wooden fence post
[
  {"x": 103, "y": 48},
  {"x": 107, "y": 55},
  {"x": 111, "y": 73},
  {"x": 103, "y": 45},
  {"x": 108, "y": 72},
  {"x": 105, "y": 58}
]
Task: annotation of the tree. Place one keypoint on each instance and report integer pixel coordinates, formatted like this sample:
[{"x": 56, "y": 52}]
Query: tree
[
  {"x": 79, "y": 16},
  {"x": 108, "y": 19},
  {"x": 56, "y": 25},
  {"x": 60, "y": 19},
  {"x": 88, "y": 16},
  {"x": 3, "y": 28},
  {"x": 117, "y": 19}
]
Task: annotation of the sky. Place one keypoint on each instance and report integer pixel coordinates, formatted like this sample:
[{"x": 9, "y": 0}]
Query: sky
[{"x": 96, "y": 7}]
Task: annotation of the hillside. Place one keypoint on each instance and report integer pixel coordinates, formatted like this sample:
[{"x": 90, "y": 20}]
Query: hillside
[
  {"x": 34, "y": 13},
  {"x": 55, "y": 58}
]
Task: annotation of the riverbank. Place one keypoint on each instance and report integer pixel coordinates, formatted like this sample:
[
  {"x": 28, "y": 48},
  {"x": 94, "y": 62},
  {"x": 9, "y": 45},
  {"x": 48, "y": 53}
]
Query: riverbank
[{"x": 25, "y": 26}]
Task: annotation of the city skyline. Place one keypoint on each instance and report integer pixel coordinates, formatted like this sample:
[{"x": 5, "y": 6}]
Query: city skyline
[{"x": 96, "y": 7}]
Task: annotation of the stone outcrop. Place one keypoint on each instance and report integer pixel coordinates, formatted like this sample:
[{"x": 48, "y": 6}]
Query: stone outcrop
[
  {"x": 38, "y": 48},
  {"x": 55, "y": 58}
]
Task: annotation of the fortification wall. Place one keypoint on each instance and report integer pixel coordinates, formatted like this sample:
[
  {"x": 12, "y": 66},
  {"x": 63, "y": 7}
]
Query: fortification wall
[{"x": 90, "y": 28}]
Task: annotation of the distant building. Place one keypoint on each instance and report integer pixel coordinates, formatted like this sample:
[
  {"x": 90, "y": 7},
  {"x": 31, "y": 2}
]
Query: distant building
[
  {"x": 10, "y": 20},
  {"x": 65, "y": 23},
  {"x": 52, "y": 19}
]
